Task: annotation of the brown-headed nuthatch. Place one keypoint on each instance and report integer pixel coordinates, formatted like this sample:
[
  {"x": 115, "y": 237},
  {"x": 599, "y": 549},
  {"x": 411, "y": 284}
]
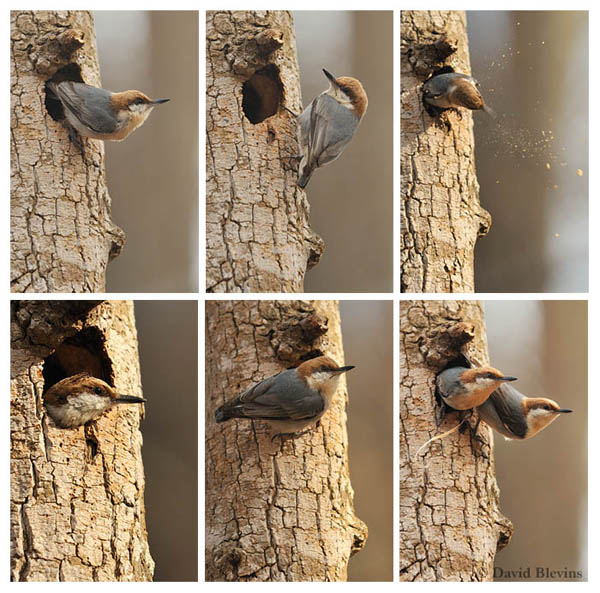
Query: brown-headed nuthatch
[
  {"x": 290, "y": 401},
  {"x": 516, "y": 416},
  {"x": 101, "y": 114},
  {"x": 463, "y": 388},
  {"x": 328, "y": 123},
  {"x": 78, "y": 399},
  {"x": 453, "y": 89}
]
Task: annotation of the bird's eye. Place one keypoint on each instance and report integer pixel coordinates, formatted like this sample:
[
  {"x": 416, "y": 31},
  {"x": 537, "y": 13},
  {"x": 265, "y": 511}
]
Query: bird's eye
[
  {"x": 98, "y": 390},
  {"x": 547, "y": 408},
  {"x": 138, "y": 101}
]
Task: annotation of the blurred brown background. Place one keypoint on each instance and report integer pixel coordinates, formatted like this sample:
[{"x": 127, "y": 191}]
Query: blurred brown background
[
  {"x": 533, "y": 71},
  {"x": 168, "y": 343},
  {"x": 352, "y": 198},
  {"x": 153, "y": 175},
  {"x": 543, "y": 480},
  {"x": 367, "y": 328}
]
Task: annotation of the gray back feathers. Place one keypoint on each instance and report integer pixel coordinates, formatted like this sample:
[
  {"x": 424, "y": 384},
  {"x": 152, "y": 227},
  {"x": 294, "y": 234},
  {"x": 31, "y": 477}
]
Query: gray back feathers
[
  {"x": 85, "y": 103},
  {"x": 326, "y": 127},
  {"x": 281, "y": 397},
  {"x": 448, "y": 381},
  {"x": 505, "y": 406}
]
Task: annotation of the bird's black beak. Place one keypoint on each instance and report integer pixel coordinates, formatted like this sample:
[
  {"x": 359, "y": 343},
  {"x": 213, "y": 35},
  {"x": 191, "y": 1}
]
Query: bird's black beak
[
  {"x": 129, "y": 399},
  {"x": 508, "y": 379},
  {"x": 158, "y": 101},
  {"x": 564, "y": 411},
  {"x": 330, "y": 77},
  {"x": 344, "y": 369}
]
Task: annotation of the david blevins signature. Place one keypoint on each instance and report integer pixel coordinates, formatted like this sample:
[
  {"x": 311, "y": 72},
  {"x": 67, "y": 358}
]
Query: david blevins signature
[{"x": 538, "y": 572}]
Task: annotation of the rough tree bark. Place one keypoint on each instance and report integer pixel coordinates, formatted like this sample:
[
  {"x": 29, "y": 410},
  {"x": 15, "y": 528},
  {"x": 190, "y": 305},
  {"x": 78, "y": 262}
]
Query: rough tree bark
[
  {"x": 441, "y": 214},
  {"x": 77, "y": 495},
  {"x": 450, "y": 523},
  {"x": 275, "y": 511},
  {"x": 257, "y": 231},
  {"x": 62, "y": 237}
]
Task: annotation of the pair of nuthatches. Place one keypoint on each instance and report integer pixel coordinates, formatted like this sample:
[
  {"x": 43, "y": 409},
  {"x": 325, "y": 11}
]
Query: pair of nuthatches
[
  {"x": 328, "y": 123},
  {"x": 498, "y": 404},
  {"x": 100, "y": 114},
  {"x": 78, "y": 399},
  {"x": 453, "y": 89},
  {"x": 290, "y": 401}
]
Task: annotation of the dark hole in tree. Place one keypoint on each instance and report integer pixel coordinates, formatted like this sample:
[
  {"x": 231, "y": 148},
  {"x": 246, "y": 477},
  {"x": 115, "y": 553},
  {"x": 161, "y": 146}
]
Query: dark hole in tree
[
  {"x": 53, "y": 105},
  {"x": 262, "y": 93},
  {"x": 460, "y": 361},
  {"x": 83, "y": 352},
  {"x": 443, "y": 70},
  {"x": 312, "y": 354}
]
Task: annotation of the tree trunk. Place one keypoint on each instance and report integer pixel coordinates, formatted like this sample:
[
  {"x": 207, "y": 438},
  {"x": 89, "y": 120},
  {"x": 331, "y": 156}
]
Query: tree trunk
[
  {"x": 450, "y": 523},
  {"x": 441, "y": 214},
  {"x": 257, "y": 231},
  {"x": 77, "y": 495},
  {"x": 62, "y": 237},
  {"x": 275, "y": 511}
]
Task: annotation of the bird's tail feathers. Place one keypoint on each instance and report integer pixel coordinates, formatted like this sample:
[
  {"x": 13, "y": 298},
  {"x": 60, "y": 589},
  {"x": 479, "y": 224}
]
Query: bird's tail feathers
[
  {"x": 222, "y": 414},
  {"x": 305, "y": 175},
  {"x": 232, "y": 409},
  {"x": 489, "y": 111}
]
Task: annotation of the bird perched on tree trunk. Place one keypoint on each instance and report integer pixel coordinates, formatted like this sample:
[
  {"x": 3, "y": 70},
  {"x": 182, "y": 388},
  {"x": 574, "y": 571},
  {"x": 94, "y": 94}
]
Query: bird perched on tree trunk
[
  {"x": 290, "y": 401},
  {"x": 327, "y": 125}
]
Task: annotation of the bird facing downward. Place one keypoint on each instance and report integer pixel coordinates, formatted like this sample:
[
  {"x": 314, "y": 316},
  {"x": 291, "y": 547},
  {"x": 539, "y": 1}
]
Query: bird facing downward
[
  {"x": 100, "y": 114},
  {"x": 78, "y": 399},
  {"x": 517, "y": 416},
  {"x": 327, "y": 125},
  {"x": 464, "y": 388},
  {"x": 290, "y": 401},
  {"x": 454, "y": 89}
]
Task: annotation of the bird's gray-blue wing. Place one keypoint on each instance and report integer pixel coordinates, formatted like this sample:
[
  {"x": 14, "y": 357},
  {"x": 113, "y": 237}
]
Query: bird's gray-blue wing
[
  {"x": 508, "y": 409},
  {"x": 332, "y": 127},
  {"x": 447, "y": 381},
  {"x": 304, "y": 123},
  {"x": 88, "y": 104},
  {"x": 282, "y": 397}
]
